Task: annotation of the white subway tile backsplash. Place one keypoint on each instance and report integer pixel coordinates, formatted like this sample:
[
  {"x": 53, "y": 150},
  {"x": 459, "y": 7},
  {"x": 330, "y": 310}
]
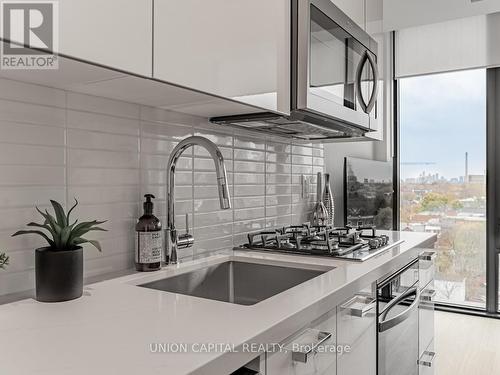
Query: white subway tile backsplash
[
  {"x": 102, "y": 123},
  {"x": 31, "y": 176},
  {"x": 249, "y": 178},
  {"x": 108, "y": 154},
  {"x": 218, "y": 139},
  {"x": 15, "y": 154},
  {"x": 27, "y": 196},
  {"x": 29, "y": 134},
  {"x": 249, "y": 202},
  {"x": 302, "y": 150},
  {"x": 102, "y": 141},
  {"x": 97, "y": 104},
  {"x": 227, "y": 152},
  {"x": 245, "y": 166},
  {"x": 247, "y": 214},
  {"x": 249, "y": 143},
  {"x": 220, "y": 216},
  {"x": 241, "y": 227},
  {"x": 103, "y": 159},
  {"x": 214, "y": 231},
  {"x": 101, "y": 176},
  {"x": 103, "y": 194},
  {"x": 258, "y": 156},
  {"x": 29, "y": 93},
  {"x": 249, "y": 190},
  {"x": 32, "y": 113}
]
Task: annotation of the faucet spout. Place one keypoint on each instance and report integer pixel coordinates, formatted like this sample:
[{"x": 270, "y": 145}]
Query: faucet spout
[{"x": 173, "y": 240}]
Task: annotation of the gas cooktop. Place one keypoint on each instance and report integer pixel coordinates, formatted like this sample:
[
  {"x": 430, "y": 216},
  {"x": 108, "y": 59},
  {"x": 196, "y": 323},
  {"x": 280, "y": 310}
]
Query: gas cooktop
[{"x": 352, "y": 243}]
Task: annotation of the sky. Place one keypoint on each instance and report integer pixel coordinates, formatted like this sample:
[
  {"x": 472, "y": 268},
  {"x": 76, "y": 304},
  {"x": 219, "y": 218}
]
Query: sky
[{"x": 442, "y": 116}]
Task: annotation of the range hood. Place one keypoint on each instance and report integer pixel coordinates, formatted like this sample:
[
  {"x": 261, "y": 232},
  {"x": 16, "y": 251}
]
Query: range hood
[{"x": 305, "y": 127}]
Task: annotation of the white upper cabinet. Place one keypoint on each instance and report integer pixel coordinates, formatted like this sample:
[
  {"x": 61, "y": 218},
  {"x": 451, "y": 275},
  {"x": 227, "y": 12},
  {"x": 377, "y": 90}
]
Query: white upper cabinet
[
  {"x": 115, "y": 33},
  {"x": 374, "y": 15},
  {"x": 237, "y": 49}
]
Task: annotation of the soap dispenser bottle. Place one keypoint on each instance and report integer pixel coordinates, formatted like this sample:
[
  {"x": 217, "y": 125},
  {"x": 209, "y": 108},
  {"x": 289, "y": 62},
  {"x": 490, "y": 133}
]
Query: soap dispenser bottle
[{"x": 149, "y": 239}]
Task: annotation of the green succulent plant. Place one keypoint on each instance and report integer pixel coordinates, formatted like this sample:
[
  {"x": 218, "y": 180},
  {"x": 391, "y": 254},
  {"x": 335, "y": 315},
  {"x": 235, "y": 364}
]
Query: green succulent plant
[
  {"x": 60, "y": 234},
  {"x": 4, "y": 260}
]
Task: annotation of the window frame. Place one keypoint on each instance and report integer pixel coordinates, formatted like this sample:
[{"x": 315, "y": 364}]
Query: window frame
[{"x": 491, "y": 309}]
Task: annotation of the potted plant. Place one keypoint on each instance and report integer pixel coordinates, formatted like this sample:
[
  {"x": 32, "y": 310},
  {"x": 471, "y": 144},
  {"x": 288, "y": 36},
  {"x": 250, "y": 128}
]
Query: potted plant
[
  {"x": 4, "y": 260},
  {"x": 59, "y": 266}
]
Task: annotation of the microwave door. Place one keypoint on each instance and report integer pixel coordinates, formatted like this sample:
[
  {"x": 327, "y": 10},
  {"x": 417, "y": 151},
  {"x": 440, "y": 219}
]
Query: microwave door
[{"x": 326, "y": 62}]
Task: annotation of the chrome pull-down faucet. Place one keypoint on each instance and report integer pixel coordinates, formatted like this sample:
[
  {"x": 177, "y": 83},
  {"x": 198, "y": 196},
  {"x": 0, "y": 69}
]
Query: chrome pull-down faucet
[{"x": 173, "y": 240}]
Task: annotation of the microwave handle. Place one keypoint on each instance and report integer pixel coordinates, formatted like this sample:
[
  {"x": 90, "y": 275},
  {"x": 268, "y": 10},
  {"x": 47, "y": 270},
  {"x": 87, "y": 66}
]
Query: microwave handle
[
  {"x": 386, "y": 324},
  {"x": 367, "y": 107}
]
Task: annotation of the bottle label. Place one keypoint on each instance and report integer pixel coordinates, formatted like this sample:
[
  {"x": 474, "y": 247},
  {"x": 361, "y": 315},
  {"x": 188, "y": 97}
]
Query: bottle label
[{"x": 149, "y": 247}]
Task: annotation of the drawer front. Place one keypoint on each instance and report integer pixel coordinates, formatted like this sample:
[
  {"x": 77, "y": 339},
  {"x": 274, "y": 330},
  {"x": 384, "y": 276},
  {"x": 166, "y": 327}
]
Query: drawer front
[
  {"x": 427, "y": 268},
  {"x": 357, "y": 328},
  {"x": 427, "y": 361},
  {"x": 426, "y": 317},
  {"x": 320, "y": 362}
]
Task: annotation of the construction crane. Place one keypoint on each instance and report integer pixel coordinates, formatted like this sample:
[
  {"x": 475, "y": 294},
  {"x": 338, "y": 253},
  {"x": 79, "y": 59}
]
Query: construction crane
[{"x": 417, "y": 163}]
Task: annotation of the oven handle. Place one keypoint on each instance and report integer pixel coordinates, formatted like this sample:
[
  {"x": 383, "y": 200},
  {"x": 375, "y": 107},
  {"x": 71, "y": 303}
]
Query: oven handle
[{"x": 384, "y": 325}]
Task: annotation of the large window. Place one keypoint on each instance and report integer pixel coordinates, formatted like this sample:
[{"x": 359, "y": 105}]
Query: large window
[{"x": 443, "y": 176}]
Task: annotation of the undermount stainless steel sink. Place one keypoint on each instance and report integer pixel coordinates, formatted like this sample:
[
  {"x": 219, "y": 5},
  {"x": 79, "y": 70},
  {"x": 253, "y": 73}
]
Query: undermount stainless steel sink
[{"x": 237, "y": 282}]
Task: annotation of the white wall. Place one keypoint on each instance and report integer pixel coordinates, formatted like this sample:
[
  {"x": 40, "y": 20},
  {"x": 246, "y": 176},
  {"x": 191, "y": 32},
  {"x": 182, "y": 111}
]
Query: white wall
[
  {"x": 400, "y": 14},
  {"x": 58, "y": 145}
]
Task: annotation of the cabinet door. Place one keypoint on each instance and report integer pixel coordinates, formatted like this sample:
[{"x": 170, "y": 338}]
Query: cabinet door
[
  {"x": 321, "y": 361},
  {"x": 426, "y": 317},
  {"x": 427, "y": 267},
  {"x": 115, "y": 33},
  {"x": 237, "y": 49},
  {"x": 357, "y": 328}
]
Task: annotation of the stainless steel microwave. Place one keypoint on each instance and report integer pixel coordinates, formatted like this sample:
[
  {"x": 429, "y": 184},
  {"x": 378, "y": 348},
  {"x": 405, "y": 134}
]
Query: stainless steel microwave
[{"x": 333, "y": 82}]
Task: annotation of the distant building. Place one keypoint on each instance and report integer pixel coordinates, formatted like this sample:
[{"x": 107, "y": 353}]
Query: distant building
[{"x": 476, "y": 179}]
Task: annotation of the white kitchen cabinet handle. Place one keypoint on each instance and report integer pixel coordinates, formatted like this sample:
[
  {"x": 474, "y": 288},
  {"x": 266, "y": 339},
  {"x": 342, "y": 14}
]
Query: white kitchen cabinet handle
[
  {"x": 427, "y": 295},
  {"x": 427, "y": 358},
  {"x": 428, "y": 255},
  {"x": 307, "y": 343},
  {"x": 359, "y": 305}
]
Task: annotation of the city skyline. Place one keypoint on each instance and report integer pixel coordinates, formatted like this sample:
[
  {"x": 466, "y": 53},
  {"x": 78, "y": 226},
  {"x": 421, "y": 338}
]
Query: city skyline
[{"x": 442, "y": 117}]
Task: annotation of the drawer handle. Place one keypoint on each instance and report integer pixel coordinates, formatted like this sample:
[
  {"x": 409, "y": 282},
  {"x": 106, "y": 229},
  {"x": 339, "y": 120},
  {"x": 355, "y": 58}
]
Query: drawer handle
[
  {"x": 305, "y": 349},
  {"x": 427, "y": 295},
  {"x": 428, "y": 256},
  {"x": 386, "y": 324},
  {"x": 359, "y": 305},
  {"x": 427, "y": 358}
]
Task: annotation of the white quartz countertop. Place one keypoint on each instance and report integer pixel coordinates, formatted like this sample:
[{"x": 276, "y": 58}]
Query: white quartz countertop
[{"x": 110, "y": 329}]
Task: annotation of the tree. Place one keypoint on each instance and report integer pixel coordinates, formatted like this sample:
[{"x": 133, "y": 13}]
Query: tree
[
  {"x": 383, "y": 220},
  {"x": 434, "y": 202}
]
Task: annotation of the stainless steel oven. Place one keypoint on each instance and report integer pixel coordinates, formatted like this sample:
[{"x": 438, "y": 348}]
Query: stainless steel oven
[
  {"x": 398, "y": 298},
  {"x": 334, "y": 65}
]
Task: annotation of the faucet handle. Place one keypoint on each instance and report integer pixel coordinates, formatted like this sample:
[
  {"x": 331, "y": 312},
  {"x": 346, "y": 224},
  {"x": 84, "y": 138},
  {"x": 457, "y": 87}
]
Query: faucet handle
[{"x": 185, "y": 240}]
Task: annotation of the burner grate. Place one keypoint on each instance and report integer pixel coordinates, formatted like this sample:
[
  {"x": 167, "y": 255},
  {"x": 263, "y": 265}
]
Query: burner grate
[{"x": 352, "y": 242}]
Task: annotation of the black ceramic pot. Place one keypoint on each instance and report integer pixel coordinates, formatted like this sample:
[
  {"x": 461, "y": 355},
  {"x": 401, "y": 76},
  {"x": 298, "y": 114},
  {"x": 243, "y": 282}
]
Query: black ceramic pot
[{"x": 59, "y": 274}]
